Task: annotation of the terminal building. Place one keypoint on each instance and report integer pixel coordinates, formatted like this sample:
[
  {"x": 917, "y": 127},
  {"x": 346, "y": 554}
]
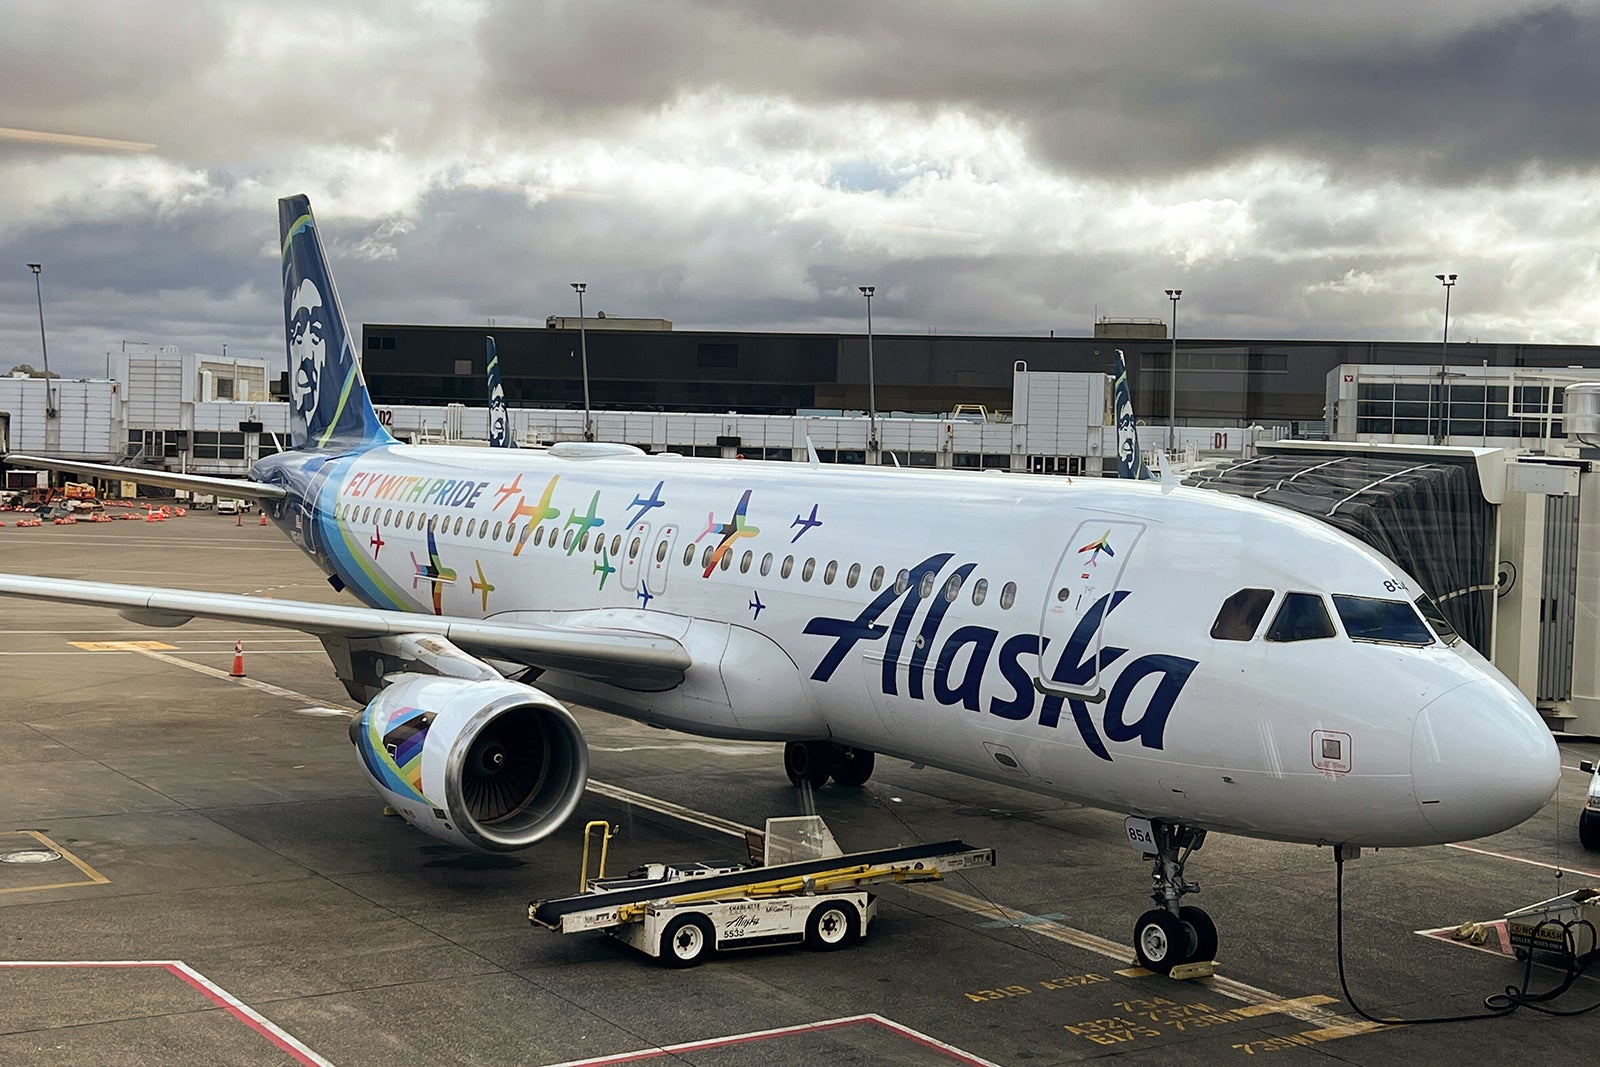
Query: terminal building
[{"x": 1465, "y": 473}]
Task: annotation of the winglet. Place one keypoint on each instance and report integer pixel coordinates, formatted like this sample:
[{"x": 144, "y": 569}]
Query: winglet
[{"x": 330, "y": 407}]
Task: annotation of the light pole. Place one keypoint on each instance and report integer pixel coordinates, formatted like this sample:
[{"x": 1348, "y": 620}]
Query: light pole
[
  {"x": 49, "y": 392},
  {"x": 1449, "y": 283},
  {"x": 872, "y": 381},
  {"x": 1173, "y": 295},
  {"x": 583, "y": 343}
]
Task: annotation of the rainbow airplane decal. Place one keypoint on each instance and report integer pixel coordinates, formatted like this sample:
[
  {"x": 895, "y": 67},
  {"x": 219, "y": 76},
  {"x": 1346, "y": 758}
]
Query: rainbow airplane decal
[
  {"x": 433, "y": 571},
  {"x": 731, "y": 531},
  {"x": 1097, "y": 547}
]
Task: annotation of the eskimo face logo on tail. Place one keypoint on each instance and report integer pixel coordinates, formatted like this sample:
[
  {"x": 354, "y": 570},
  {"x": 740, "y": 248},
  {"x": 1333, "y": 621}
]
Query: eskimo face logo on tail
[
  {"x": 969, "y": 654},
  {"x": 308, "y": 351}
]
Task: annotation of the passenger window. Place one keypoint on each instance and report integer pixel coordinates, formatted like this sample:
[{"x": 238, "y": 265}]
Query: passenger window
[
  {"x": 566, "y": 542},
  {"x": 1303, "y": 617},
  {"x": 538, "y": 536},
  {"x": 1393, "y": 622},
  {"x": 1008, "y": 596},
  {"x": 952, "y": 588},
  {"x": 727, "y": 560},
  {"x": 808, "y": 570},
  {"x": 766, "y": 564},
  {"x": 705, "y": 558},
  {"x": 830, "y": 572},
  {"x": 616, "y": 544},
  {"x": 877, "y": 579},
  {"x": 458, "y": 526},
  {"x": 633, "y": 549},
  {"x": 688, "y": 554},
  {"x": 1436, "y": 619},
  {"x": 661, "y": 552},
  {"x": 511, "y": 532},
  {"x": 787, "y": 568},
  {"x": 471, "y": 525},
  {"x": 902, "y": 581},
  {"x": 925, "y": 587},
  {"x": 1241, "y": 614},
  {"x": 745, "y": 561},
  {"x": 388, "y": 517},
  {"x": 410, "y": 515},
  {"x": 980, "y": 590},
  {"x": 496, "y": 531},
  {"x": 852, "y": 576}
]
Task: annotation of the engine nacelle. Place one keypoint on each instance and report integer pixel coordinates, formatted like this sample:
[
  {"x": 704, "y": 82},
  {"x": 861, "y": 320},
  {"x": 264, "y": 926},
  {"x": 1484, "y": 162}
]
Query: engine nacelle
[{"x": 494, "y": 765}]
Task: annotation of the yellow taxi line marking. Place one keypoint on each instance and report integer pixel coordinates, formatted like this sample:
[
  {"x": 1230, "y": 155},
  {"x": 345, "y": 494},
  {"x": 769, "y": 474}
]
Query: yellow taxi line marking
[
  {"x": 1250, "y": 1011},
  {"x": 123, "y": 646},
  {"x": 92, "y": 876}
]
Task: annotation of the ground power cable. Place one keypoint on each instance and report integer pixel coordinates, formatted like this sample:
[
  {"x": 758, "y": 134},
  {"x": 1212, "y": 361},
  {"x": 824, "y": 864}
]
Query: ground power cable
[{"x": 1499, "y": 1005}]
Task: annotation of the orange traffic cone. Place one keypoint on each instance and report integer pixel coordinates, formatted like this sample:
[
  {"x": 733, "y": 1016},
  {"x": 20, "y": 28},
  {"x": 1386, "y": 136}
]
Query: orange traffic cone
[
  {"x": 238, "y": 518},
  {"x": 238, "y": 660},
  {"x": 263, "y": 516}
]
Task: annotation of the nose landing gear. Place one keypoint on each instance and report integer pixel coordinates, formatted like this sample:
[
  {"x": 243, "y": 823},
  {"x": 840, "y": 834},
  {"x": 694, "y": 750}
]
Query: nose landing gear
[{"x": 1171, "y": 934}]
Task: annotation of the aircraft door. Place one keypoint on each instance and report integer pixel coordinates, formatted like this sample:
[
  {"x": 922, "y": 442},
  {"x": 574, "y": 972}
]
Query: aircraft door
[
  {"x": 633, "y": 560},
  {"x": 661, "y": 559},
  {"x": 1081, "y": 593}
]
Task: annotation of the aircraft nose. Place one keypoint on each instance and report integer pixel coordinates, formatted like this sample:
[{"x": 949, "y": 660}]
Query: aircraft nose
[{"x": 1482, "y": 761}]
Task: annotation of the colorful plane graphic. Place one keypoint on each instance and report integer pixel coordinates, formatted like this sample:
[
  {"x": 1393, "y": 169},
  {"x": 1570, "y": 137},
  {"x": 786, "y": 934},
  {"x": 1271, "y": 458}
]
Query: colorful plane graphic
[
  {"x": 644, "y": 506},
  {"x": 480, "y": 584},
  {"x": 756, "y": 605},
  {"x": 506, "y": 492},
  {"x": 433, "y": 571},
  {"x": 730, "y": 531},
  {"x": 1097, "y": 547},
  {"x": 536, "y": 513},
  {"x": 584, "y": 523},
  {"x": 644, "y": 594},
  {"x": 377, "y": 541},
  {"x": 604, "y": 568},
  {"x": 805, "y": 523}
]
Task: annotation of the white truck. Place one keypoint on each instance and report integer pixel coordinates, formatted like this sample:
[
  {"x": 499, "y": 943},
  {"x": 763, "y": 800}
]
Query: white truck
[
  {"x": 804, "y": 889},
  {"x": 227, "y": 505}
]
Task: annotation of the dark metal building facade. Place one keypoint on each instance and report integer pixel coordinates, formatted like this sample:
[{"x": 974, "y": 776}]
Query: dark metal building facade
[{"x": 1220, "y": 382}]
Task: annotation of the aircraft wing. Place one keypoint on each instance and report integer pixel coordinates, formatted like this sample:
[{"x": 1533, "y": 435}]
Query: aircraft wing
[
  {"x": 201, "y": 483},
  {"x": 609, "y": 655}
]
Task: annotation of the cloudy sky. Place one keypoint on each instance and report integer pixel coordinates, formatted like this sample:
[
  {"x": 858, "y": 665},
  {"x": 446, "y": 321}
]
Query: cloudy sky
[{"x": 1014, "y": 166}]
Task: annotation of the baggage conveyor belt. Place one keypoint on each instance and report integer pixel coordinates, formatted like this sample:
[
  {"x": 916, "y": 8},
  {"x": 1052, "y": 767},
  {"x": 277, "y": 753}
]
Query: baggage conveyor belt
[{"x": 550, "y": 912}]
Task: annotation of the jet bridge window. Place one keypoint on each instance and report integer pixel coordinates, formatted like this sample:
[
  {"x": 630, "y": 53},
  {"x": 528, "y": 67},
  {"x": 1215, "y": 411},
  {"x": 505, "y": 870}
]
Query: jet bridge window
[
  {"x": 1302, "y": 617},
  {"x": 1393, "y": 622},
  {"x": 1436, "y": 619},
  {"x": 1241, "y": 615}
]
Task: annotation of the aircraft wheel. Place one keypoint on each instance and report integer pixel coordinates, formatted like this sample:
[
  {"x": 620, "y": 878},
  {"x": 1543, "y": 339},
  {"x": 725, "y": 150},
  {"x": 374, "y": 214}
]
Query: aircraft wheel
[
  {"x": 687, "y": 940},
  {"x": 1203, "y": 934},
  {"x": 1589, "y": 830},
  {"x": 808, "y": 761},
  {"x": 852, "y": 766},
  {"x": 832, "y": 925},
  {"x": 1160, "y": 941}
]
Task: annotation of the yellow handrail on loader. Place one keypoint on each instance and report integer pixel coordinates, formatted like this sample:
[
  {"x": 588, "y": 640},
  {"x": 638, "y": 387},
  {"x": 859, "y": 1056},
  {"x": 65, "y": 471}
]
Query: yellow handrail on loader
[{"x": 605, "y": 842}]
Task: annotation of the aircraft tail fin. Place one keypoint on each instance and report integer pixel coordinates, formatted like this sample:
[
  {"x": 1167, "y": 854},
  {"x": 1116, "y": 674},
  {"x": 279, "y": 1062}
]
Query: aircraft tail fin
[
  {"x": 1130, "y": 461},
  {"x": 330, "y": 408},
  {"x": 499, "y": 422}
]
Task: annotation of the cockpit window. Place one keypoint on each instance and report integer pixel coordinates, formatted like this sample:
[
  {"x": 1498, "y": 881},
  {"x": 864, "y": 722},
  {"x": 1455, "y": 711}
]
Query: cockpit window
[
  {"x": 1436, "y": 619},
  {"x": 1303, "y": 617},
  {"x": 1393, "y": 622},
  {"x": 1240, "y": 615}
]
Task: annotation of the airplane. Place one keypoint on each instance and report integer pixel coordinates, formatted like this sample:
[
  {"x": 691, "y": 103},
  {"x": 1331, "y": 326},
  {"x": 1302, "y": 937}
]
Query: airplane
[
  {"x": 644, "y": 505},
  {"x": 603, "y": 567},
  {"x": 480, "y": 584},
  {"x": 731, "y": 531},
  {"x": 1232, "y": 667},
  {"x": 499, "y": 423},
  {"x": 805, "y": 523}
]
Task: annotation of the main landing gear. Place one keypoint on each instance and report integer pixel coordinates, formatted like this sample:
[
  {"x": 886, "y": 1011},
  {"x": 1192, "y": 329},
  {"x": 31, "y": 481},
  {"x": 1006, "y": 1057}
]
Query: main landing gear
[
  {"x": 1171, "y": 934},
  {"x": 817, "y": 761}
]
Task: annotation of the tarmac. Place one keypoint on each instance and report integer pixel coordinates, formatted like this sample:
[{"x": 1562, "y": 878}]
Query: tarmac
[{"x": 229, "y": 891}]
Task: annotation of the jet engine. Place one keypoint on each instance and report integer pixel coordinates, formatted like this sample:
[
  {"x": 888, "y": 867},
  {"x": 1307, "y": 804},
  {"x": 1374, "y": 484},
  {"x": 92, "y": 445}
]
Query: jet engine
[{"x": 493, "y": 765}]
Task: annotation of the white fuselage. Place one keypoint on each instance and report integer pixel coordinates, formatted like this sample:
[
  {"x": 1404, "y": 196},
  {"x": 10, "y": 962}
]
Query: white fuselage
[{"x": 799, "y": 630}]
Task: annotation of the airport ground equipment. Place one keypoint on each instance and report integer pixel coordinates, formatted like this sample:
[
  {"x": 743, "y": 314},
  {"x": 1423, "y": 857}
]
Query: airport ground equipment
[
  {"x": 802, "y": 890},
  {"x": 1565, "y": 925},
  {"x": 1589, "y": 817}
]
